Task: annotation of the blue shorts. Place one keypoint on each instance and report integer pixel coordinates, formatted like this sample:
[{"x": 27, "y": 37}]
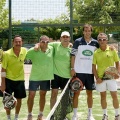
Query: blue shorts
[
  {"x": 18, "y": 87},
  {"x": 58, "y": 82},
  {"x": 87, "y": 80},
  {"x": 39, "y": 85}
]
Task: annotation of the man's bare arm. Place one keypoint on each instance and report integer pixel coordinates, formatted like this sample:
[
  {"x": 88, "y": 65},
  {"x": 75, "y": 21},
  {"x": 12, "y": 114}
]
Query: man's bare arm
[
  {"x": 3, "y": 75},
  {"x": 72, "y": 66}
]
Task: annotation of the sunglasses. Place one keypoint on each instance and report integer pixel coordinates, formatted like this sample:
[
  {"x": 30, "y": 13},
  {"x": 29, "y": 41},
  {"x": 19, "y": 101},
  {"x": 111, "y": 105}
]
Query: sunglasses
[
  {"x": 65, "y": 36},
  {"x": 102, "y": 39},
  {"x": 44, "y": 41}
]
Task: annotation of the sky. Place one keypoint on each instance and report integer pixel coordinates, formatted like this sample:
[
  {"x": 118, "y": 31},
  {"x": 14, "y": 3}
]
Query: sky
[{"x": 38, "y": 9}]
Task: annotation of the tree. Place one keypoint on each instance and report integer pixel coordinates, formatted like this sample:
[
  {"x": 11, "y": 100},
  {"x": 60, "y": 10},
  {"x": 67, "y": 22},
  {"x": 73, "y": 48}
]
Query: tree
[
  {"x": 96, "y": 11},
  {"x": 3, "y": 15}
]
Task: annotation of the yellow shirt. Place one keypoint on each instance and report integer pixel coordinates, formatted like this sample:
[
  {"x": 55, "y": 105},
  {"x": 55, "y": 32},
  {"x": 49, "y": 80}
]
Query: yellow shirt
[
  {"x": 104, "y": 59},
  {"x": 14, "y": 65}
]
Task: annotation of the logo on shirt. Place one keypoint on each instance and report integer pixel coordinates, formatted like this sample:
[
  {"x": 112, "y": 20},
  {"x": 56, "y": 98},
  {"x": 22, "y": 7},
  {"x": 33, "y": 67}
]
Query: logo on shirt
[{"x": 87, "y": 53}]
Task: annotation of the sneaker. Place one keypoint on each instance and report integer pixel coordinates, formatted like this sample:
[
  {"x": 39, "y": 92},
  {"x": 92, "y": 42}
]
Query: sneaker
[
  {"x": 105, "y": 117},
  {"x": 66, "y": 119},
  {"x": 29, "y": 117},
  {"x": 40, "y": 117},
  {"x": 117, "y": 117},
  {"x": 74, "y": 118},
  {"x": 90, "y": 117}
]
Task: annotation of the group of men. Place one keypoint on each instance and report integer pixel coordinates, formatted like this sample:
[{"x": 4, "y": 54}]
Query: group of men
[{"x": 53, "y": 64}]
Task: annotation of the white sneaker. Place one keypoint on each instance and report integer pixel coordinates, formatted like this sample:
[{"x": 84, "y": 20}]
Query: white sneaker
[
  {"x": 40, "y": 117},
  {"x": 90, "y": 117},
  {"x": 117, "y": 117},
  {"x": 74, "y": 118},
  {"x": 66, "y": 119},
  {"x": 105, "y": 117}
]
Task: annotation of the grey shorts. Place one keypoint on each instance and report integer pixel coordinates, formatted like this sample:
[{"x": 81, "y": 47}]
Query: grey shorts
[{"x": 39, "y": 85}]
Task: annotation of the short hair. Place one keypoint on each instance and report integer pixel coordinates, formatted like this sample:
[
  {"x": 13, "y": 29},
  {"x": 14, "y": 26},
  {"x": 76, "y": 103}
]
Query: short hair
[
  {"x": 102, "y": 34},
  {"x": 43, "y": 36},
  {"x": 88, "y": 26},
  {"x": 16, "y": 36}
]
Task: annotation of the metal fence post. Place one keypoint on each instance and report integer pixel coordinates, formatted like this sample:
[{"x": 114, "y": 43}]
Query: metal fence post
[{"x": 10, "y": 25}]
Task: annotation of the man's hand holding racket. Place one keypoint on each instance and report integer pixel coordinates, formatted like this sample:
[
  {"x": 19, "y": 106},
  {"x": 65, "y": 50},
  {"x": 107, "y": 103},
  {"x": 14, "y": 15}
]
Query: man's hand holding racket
[
  {"x": 76, "y": 84},
  {"x": 72, "y": 72}
]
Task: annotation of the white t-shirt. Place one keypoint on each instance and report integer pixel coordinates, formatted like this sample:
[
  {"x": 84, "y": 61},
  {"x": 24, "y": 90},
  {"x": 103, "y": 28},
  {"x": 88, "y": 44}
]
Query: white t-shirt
[
  {"x": 83, "y": 53},
  {"x": 83, "y": 60}
]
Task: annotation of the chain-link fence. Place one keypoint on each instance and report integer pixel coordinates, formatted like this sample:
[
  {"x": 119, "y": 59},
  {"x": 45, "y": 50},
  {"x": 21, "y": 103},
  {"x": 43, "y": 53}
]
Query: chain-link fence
[{"x": 31, "y": 19}]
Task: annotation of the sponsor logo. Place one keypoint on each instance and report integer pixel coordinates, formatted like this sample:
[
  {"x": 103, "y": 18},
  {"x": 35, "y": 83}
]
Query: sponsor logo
[{"x": 87, "y": 53}]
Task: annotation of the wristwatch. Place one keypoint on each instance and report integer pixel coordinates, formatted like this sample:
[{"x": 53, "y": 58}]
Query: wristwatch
[{"x": 72, "y": 68}]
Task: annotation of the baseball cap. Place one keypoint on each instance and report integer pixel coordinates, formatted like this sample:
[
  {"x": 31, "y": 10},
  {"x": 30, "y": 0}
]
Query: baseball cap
[{"x": 65, "y": 33}]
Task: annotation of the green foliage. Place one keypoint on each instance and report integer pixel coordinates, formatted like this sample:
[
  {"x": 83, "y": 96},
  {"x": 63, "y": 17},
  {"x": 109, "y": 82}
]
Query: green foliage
[
  {"x": 3, "y": 14},
  {"x": 84, "y": 11},
  {"x": 28, "y": 34},
  {"x": 63, "y": 19},
  {"x": 96, "y": 11}
]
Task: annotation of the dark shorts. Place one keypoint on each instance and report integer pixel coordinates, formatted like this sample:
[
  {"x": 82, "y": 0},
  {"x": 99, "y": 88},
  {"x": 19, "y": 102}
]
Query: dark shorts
[
  {"x": 39, "y": 85},
  {"x": 87, "y": 80},
  {"x": 58, "y": 82},
  {"x": 18, "y": 87},
  {"x": 1, "y": 93}
]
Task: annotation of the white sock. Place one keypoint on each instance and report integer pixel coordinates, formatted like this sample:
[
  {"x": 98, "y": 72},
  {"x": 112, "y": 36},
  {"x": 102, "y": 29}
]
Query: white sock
[
  {"x": 105, "y": 111},
  {"x": 30, "y": 113},
  {"x": 40, "y": 113},
  {"x": 89, "y": 111},
  {"x": 116, "y": 112},
  {"x": 75, "y": 111},
  {"x": 16, "y": 115},
  {"x": 8, "y": 116}
]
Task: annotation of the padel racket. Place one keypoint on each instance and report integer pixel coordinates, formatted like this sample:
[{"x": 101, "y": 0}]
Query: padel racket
[{"x": 9, "y": 101}]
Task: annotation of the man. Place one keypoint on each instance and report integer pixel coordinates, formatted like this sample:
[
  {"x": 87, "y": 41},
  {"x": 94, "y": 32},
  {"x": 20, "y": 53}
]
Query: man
[
  {"x": 103, "y": 58},
  {"x": 61, "y": 58},
  {"x": 41, "y": 74},
  {"x": 12, "y": 73},
  {"x": 81, "y": 67}
]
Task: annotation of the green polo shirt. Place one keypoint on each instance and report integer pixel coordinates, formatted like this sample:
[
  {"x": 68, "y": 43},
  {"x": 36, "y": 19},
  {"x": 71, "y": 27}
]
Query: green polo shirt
[
  {"x": 42, "y": 64},
  {"x": 14, "y": 65},
  {"x": 61, "y": 59},
  {"x": 104, "y": 59}
]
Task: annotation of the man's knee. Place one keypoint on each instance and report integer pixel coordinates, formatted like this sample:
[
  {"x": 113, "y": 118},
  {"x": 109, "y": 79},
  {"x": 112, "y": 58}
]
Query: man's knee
[
  {"x": 31, "y": 95},
  {"x": 54, "y": 93}
]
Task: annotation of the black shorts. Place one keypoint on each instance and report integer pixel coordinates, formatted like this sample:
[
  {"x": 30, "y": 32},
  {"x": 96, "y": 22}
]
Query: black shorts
[
  {"x": 58, "y": 82},
  {"x": 87, "y": 80},
  {"x": 1, "y": 93},
  {"x": 18, "y": 87}
]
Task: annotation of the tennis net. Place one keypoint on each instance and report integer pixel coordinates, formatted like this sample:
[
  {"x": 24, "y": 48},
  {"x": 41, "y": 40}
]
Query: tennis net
[{"x": 63, "y": 105}]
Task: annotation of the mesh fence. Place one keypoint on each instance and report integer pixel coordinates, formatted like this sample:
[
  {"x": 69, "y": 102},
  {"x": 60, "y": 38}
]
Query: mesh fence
[
  {"x": 33, "y": 18},
  {"x": 23, "y": 10}
]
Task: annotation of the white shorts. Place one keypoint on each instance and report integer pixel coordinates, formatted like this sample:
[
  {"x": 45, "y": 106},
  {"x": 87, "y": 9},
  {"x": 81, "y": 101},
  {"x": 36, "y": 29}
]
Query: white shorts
[{"x": 110, "y": 85}]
